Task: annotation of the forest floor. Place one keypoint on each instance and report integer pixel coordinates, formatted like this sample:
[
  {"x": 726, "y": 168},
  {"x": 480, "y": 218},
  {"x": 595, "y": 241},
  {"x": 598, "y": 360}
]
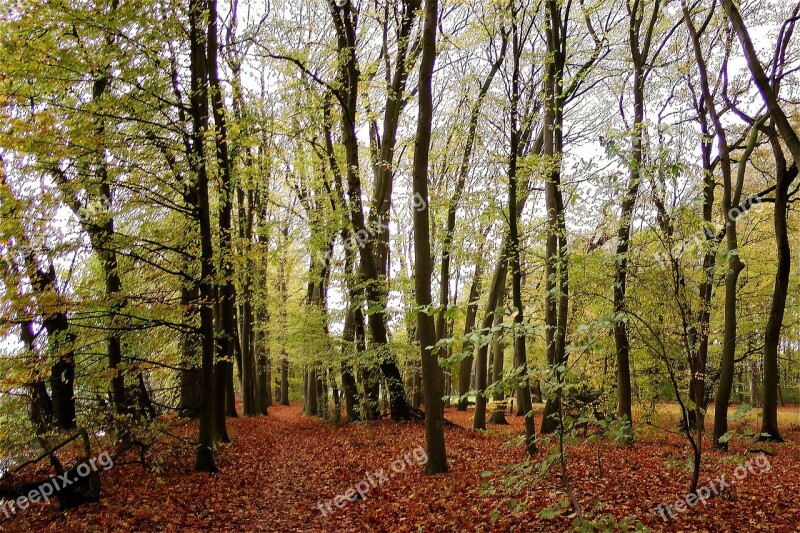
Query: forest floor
[{"x": 281, "y": 470}]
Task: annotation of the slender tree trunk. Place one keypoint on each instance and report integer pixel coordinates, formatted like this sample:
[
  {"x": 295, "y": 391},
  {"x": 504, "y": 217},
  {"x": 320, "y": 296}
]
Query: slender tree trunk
[
  {"x": 514, "y": 260},
  {"x": 311, "y": 393},
  {"x": 497, "y": 358},
  {"x": 348, "y": 379},
  {"x": 249, "y": 407},
  {"x": 730, "y": 198},
  {"x": 789, "y": 136},
  {"x": 227, "y": 290},
  {"x": 349, "y": 74},
  {"x": 556, "y": 270},
  {"x": 385, "y": 146},
  {"x": 772, "y": 333},
  {"x": 263, "y": 385},
  {"x": 101, "y": 233},
  {"x": 322, "y": 395},
  {"x": 248, "y": 357},
  {"x": 265, "y": 366},
  {"x": 639, "y": 45},
  {"x": 284, "y": 378},
  {"x": 621, "y": 340},
  {"x": 465, "y": 367},
  {"x": 416, "y": 387},
  {"x": 492, "y": 308},
  {"x": 283, "y": 289},
  {"x": 199, "y": 111},
  {"x": 444, "y": 285},
  {"x": 432, "y": 377}
]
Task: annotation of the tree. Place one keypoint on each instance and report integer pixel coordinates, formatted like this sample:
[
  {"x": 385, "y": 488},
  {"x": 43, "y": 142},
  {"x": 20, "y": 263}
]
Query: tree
[
  {"x": 432, "y": 377},
  {"x": 199, "y": 113},
  {"x": 640, "y": 41},
  {"x": 519, "y": 335},
  {"x": 785, "y": 175}
]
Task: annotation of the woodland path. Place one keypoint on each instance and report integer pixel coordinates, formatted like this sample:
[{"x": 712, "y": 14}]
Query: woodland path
[{"x": 280, "y": 466}]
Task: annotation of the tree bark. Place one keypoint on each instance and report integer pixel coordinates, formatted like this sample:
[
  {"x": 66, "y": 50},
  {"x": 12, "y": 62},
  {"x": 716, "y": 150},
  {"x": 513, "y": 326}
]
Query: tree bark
[
  {"x": 492, "y": 301},
  {"x": 772, "y": 333},
  {"x": 344, "y": 23},
  {"x": 735, "y": 266},
  {"x": 768, "y": 90},
  {"x": 556, "y": 270},
  {"x": 227, "y": 341},
  {"x": 432, "y": 377},
  {"x": 640, "y": 50},
  {"x": 465, "y": 367},
  {"x": 199, "y": 112},
  {"x": 519, "y": 335}
]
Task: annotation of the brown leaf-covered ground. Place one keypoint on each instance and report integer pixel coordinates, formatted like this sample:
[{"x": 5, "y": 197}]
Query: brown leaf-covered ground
[{"x": 282, "y": 468}]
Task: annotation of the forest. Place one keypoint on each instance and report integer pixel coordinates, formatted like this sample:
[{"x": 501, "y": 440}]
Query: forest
[{"x": 399, "y": 265}]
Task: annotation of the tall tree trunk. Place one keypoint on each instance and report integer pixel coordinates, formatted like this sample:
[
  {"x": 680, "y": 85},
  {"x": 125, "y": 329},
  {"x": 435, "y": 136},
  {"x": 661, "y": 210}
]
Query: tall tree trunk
[
  {"x": 621, "y": 340},
  {"x": 731, "y": 193},
  {"x": 103, "y": 244},
  {"x": 497, "y": 285},
  {"x": 199, "y": 112},
  {"x": 432, "y": 378},
  {"x": 772, "y": 333},
  {"x": 102, "y": 233},
  {"x": 221, "y": 390},
  {"x": 556, "y": 270},
  {"x": 353, "y": 331},
  {"x": 492, "y": 309},
  {"x": 226, "y": 345},
  {"x": 455, "y": 199},
  {"x": 348, "y": 379},
  {"x": 322, "y": 395},
  {"x": 384, "y": 147},
  {"x": 465, "y": 367},
  {"x": 496, "y": 362},
  {"x": 700, "y": 333},
  {"x": 249, "y": 377},
  {"x": 284, "y": 362},
  {"x": 283, "y": 289},
  {"x": 640, "y": 51},
  {"x": 311, "y": 393},
  {"x": 349, "y": 74},
  {"x": 768, "y": 89},
  {"x": 265, "y": 363},
  {"x": 514, "y": 245},
  {"x": 497, "y": 358}
]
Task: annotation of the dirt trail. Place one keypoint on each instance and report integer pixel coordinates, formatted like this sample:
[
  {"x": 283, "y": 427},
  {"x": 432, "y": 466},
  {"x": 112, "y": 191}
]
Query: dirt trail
[{"x": 281, "y": 471}]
